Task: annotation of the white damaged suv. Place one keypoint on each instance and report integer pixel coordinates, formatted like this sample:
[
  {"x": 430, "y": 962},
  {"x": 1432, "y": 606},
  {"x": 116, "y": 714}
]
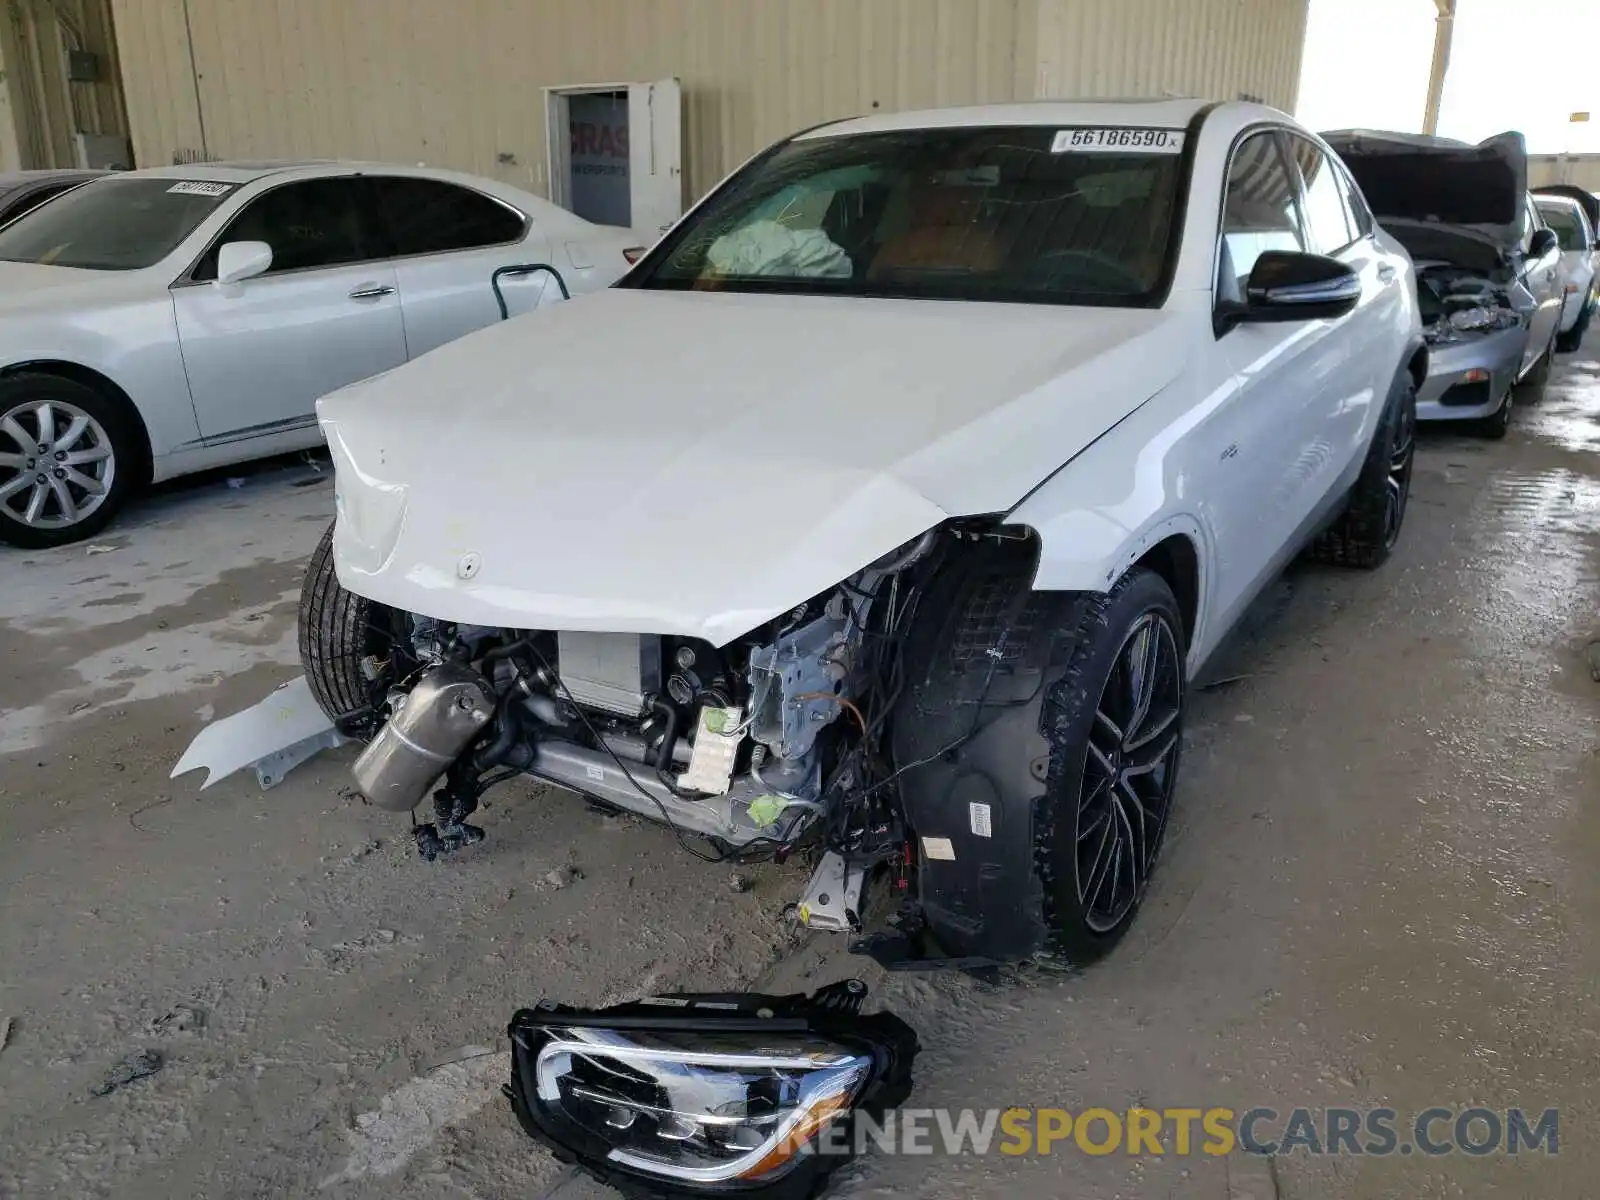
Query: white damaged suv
[{"x": 884, "y": 512}]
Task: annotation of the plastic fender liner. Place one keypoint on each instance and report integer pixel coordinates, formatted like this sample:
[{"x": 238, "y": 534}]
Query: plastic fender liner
[
  {"x": 708, "y": 1094},
  {"x": 980, "y": 658}
]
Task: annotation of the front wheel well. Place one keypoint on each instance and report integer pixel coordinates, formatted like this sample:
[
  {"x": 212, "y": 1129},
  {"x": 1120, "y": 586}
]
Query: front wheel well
[
  {"x": 90, "y": 378},
  {"x": 1175, "y": 560},
  {"x": 1417, "y": 364}
]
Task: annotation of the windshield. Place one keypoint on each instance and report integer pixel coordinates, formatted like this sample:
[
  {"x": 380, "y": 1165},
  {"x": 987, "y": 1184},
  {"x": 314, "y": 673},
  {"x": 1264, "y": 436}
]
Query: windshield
[
  {"x": 1567, "y": 223},
  {"x": 112, "y": 224},
  {"x": 1030, "y": 213}
]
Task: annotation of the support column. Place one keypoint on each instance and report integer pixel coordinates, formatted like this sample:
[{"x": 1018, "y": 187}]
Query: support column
[
  {"x": 12, "y": 137},
  {"x": 1444, "y": 29}
]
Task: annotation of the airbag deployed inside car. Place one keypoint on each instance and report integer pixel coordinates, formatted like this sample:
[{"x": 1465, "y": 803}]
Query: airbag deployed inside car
[{"x": 771, "y": 248}]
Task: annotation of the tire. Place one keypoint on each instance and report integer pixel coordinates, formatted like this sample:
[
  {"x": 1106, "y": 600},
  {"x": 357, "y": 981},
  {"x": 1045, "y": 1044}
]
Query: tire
[
  {"x": 1008, "y": 725},
  {"x": 1498, "y": 423},
  {"x": 69, "y": 459},
  {"x": 339, "y": 631},
  {"x": 1571, "y": 341},
  {"x": 1369, "y": 527}
]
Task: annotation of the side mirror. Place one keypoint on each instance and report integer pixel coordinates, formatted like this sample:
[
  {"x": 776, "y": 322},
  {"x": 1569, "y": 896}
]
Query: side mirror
[
  {"x": 238, "y": 261},
  {"x": 1542, "y": 243},
  {"x": 1293, "y": 286}
]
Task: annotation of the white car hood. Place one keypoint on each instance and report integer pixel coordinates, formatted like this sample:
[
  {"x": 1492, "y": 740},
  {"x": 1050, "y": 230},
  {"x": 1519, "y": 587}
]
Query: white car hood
[
  {"x": 697, "y": 463},
  {"x": 25, "y": 287}
]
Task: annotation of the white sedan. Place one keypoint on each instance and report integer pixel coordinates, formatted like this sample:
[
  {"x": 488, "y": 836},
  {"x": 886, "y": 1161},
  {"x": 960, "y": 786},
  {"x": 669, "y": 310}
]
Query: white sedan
[
  {"x": 160, "y": 322},
  {"x": 948, "y": 448},
  {"x": 1567, "y": 210}
]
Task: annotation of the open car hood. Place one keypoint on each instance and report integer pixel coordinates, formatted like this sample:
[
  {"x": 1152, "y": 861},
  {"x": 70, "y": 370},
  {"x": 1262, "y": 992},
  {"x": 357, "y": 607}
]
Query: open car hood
[
  {"x": 1439, "y": 181},
  {"x": 696, "y": 463}
]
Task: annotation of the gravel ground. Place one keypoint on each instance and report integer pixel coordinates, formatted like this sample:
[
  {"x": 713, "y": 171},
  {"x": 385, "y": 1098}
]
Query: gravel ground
[{"x": 1380, "y": 886}]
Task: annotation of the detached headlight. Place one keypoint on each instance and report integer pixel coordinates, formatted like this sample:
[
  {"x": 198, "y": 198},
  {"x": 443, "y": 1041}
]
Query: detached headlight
[{"x": 707, "y": 1095}]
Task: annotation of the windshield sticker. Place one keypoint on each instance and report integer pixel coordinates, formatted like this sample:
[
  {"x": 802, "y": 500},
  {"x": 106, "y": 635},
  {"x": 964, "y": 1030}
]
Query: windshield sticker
[
  {"x": 196, "y": 187},
  {"x": 1121, "y": 140}
]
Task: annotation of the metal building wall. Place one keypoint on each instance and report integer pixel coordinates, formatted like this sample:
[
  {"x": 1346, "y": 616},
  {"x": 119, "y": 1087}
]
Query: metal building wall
[
  {"x": 42, "y": 107},
  {"x": 459, "y": 82},
  {"x": 1220, "y": 49},
  {"x": 1580, "y": 169}
]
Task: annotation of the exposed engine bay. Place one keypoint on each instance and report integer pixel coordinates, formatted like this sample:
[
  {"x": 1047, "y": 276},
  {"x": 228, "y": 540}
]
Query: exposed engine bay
[
  {"x": 751, "y": 750},
  {"x": 1457, "y": 304}
]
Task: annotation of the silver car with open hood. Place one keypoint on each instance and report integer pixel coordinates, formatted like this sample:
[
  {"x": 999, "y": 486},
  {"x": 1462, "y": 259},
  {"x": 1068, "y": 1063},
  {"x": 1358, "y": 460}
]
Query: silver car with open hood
[{"x": 1487, "y": 268}]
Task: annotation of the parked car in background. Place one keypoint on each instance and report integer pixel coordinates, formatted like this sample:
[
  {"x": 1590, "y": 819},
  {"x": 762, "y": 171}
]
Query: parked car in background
[
  {"x": 946, "y": 449},
  {"x": 1573, "y": 227},
  {"x": 23, "y": 191},
  {"x": 1487, "y": 268},
  {"x": 154, "y": 323}
]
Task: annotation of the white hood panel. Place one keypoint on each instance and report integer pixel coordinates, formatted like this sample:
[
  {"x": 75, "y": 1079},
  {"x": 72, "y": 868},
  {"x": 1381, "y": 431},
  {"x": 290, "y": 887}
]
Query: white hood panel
[{"x": 697, "y": 463}]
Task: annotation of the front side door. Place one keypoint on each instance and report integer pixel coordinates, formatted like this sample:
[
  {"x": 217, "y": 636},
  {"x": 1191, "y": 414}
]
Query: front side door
[
  {"x": 1290, "y": 378},
  {"x": 449, "y": 241},
  {"x": 325, "y": 314},
  {"x": 1542, "y": 277},
  {"x": 1358, "y": 354}
]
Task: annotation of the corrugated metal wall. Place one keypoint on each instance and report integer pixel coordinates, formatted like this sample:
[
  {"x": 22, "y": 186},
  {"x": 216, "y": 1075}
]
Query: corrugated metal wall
[
  {"x": 47, "y": 107},
  {"x": 1580, "y": 169},
  {"x": 1221, "y": 49},
  {"x": 459, "y": 83}
]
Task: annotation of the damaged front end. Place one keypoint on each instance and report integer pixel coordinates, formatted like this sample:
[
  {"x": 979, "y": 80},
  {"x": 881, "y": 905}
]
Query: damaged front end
[
  {"x": 1475, "y": 323},
  {"x": 1458, "y": 209},
  {"x": 1459, "y": 305},
  {"x": 774, "y": 743},
  {"x": 694, "y": 1095}
]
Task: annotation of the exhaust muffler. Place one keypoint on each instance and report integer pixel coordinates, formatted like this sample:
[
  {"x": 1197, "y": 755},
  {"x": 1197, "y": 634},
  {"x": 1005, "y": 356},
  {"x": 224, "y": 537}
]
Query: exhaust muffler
[{"x": 430, "y": 726}]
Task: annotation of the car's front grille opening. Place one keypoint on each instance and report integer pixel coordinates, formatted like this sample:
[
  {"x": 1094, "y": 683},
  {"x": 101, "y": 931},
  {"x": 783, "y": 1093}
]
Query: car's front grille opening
[{"x": 1466, "y": 395}]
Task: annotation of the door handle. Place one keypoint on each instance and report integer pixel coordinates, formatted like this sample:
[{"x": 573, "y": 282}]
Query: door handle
[
  {"x": 371, "y": 291},
  {"x": 1386, "y": 273}
]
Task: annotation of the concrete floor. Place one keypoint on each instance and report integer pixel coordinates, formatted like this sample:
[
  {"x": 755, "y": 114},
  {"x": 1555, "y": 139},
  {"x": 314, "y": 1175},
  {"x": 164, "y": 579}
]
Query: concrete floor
[{"x": 1380, "y": 887}]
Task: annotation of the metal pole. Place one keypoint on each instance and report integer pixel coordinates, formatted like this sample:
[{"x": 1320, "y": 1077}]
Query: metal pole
[{"x": 1444, "y": 28}]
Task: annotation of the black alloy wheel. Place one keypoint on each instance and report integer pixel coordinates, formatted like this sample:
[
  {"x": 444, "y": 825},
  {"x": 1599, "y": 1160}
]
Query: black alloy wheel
[
  {"x": 1402, "y": 454},
  {"x": 1129, "y": 773}
]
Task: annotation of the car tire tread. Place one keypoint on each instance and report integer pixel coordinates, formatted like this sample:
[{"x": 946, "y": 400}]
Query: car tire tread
[{"x": 1358, "y": 538}]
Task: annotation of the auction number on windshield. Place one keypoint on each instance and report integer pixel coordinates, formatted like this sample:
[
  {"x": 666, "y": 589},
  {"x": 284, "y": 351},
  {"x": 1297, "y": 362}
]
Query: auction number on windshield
[{"x": 1121, "y": 140}]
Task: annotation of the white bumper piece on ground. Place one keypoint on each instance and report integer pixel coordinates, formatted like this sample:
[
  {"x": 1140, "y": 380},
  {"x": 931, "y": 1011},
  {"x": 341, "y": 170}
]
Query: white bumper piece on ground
[{"x": 274, "y": 737}]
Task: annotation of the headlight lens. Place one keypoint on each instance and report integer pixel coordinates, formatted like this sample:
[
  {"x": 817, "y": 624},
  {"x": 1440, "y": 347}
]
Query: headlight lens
[{"x": 715, "y": 1094}]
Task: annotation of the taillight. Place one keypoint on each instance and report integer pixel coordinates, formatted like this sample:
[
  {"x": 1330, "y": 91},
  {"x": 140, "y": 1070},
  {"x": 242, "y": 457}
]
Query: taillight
[{"x": 633, "y": 253}]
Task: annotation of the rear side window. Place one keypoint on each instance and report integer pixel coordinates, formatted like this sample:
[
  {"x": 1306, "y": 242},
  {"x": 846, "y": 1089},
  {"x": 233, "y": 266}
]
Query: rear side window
[
  {"x": 317, "y": 223},
  {"x": 1259, "y": 212},
  {"x": 1327, "y": 219},
  {"x": 428, "y": 216}
]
